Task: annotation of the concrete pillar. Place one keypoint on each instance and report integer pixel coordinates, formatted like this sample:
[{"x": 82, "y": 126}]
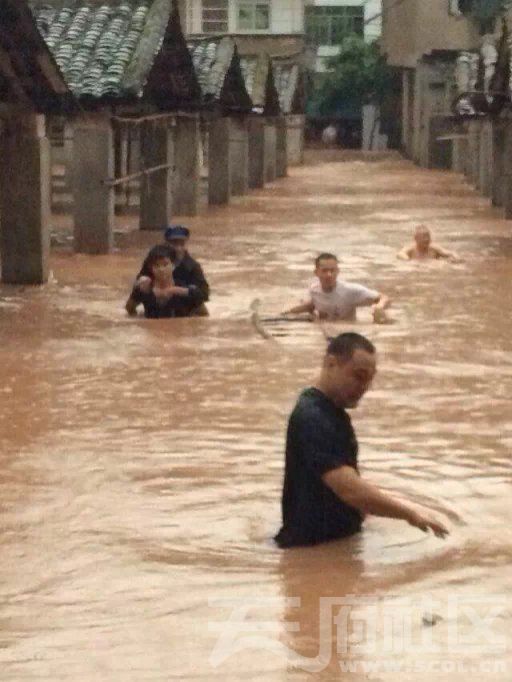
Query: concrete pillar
[
  {"x": 473, "y": 151},
  {"x": 133, "y": 187},
  {"x": 219, "y": 162},
  {"x": 25, "y": 201},
  {"x": 121, "y": 164},
  {"x": 156, "y": 189},
  {"x": 68, "y": 154},
  {"x": 295, "y": 139},
  {"x": 507, "y": 179},
  {"x": 239, "y": 155},
  {"x": 188, "y": 167},
  {"x": 459, "y": 153},
  {"x": 498, "y": 164},
  {"x": 406, "y": 113},
  {"x": 418, "y": 113},
  {"x": 485, "y": 158},
  {"x": 281, "y": 150},
  {"x": 270, "y": 152},
  {"x": 93, "y": 201},
  {"x": 256, "y": 152}
]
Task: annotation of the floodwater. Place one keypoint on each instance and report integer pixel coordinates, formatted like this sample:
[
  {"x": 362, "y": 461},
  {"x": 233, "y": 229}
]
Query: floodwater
[{"x": 141, "y": 461}]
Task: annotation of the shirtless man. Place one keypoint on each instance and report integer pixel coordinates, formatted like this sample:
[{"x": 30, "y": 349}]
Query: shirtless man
[
  {"x": 329, "y": 298},
  {"x": 423, "y": 249}
]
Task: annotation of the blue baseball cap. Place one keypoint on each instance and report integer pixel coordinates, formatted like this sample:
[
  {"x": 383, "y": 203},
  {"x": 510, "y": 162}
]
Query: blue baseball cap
[{"x": 176, "y": 232}]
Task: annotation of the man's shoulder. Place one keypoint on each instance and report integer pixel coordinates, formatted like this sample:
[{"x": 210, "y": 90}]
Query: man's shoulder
[
  {"x": 313, "y": 405},
  {"x": 343, "y": 286}
]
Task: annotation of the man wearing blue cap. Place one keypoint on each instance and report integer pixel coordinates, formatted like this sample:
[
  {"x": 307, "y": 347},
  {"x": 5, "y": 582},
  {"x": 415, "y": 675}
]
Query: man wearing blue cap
[{"x": 187, "y": 272}]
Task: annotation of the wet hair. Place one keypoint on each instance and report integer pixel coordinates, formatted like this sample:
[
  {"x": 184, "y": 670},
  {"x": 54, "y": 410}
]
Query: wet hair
[
  {"x": 325, "y": 256},
  {"x": 156, "y": 253},
  {"x": 422, "y": 229},
  {"x": 344, "y": 345}
]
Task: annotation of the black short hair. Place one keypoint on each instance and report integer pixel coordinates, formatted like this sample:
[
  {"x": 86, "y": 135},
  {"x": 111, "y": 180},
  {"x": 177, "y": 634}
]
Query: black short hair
[
  {"x": 156, "y": 253},
  {"x": 344, "y": 345},
  {"x": 325, "y": 256}
]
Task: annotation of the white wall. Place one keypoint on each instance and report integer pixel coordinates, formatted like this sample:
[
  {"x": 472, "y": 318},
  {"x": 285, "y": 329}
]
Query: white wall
[{"x": 286, "y": 17}]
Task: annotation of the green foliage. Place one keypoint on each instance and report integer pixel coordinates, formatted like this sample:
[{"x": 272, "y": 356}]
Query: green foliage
[{"x": 358, "y": 75}]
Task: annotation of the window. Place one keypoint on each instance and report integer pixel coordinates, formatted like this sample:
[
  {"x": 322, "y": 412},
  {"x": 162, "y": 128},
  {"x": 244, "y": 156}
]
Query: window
[
  {"x": 459, "y": 7},
  {"x": 328, "y": 25},
  {"x": 215, "y": 16},
  {"x": 253, "y": 15}
]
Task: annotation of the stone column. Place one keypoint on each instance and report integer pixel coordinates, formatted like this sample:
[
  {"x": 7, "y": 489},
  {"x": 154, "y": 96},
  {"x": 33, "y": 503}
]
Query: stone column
[
  {"x": 473, "y": 151},
  {"x": 121, "y": 165},
  {"x": 25, "y": 201},
  {"x": 406, "y": 83},
  {"x": 295, "y": 139},
  {"x": 498, "y": 163},
  {"x": 418, "y": 113},
  {"x": 156, "y": 188},
  {"x": 188, "y": 167},
  {"x": 256, "y": 152},
  {"x": 239, "y": 154},
  {"x": 219, "y": 162},
  {"x": 270, "y": 152},
  {"x": 281, "y": 150},
  {"x": 93, "y": 200},
  {"x": 507, "y": 180},
  {"x": 485, "y": 158},
  {"x": 459, "y": 153},
  {"x": 68, "y": 154}
]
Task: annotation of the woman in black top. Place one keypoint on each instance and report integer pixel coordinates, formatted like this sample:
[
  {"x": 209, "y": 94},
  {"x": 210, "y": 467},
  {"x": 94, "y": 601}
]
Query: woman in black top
[{"x": 157, "y": 292}]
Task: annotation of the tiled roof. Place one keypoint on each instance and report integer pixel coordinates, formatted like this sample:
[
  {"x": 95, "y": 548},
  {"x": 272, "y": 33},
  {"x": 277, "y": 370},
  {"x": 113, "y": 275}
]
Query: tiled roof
[
  {"x": 93, "y": 43},
  {"x": 211, "y": 60},
  {"x": 249, "y": 65},
  {"x": 259, "y": 79},
  {"x": 219, "y": 73},
  {"x": 107, "y": 50},
  {"x": 28, "y": 72}
]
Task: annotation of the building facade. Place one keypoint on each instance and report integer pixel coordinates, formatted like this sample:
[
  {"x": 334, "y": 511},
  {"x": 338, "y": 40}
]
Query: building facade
[
  {"x": 243, "y": 17},
  {"x": 328, "y": 22},
  {"x": 422, "y": 40}
]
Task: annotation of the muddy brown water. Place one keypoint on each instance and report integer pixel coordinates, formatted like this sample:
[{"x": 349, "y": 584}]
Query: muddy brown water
[{"x": 141, "y": 461}]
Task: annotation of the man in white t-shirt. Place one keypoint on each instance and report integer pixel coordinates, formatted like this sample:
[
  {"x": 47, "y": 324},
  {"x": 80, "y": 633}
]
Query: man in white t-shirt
[{"x": 330, "y": 299}]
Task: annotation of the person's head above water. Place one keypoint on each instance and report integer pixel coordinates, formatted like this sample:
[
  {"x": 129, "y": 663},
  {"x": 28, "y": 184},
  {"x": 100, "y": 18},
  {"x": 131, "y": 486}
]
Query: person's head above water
[
  {"x": 422, "y": 237},
  {"x": 159, "y": 263},
  {"x": 349, "y": 366},
  {"x": 177, "y": 236},
  {"x": 327, "y": 269}
]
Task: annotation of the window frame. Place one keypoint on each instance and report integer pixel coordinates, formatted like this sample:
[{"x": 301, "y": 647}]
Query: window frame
[
  {"x": 222, "y": 25},
  {"x": 327, "y": 25},
  {"x": 253, "y": 6}
]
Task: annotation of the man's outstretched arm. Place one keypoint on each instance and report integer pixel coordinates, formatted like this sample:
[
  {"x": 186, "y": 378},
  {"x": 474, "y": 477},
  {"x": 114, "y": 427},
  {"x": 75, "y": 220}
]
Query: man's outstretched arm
[
  {"x": 302, "y": 308},
  {"x": 444, "y": 253},
  {"x": 405, "y": 253},
  {"x": 346, "y": 483}
]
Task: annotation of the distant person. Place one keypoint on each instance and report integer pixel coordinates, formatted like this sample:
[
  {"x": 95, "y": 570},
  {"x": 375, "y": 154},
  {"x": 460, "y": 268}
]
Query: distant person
[
  {"x": 331, "y": 299},
  {"x": 330, "y": 135},
  {"x": 157, "y": 292},
  {"x": 423, "y": 249},
  {"x": 324, "y": 496},
  {"x": 186, "y": 271}
]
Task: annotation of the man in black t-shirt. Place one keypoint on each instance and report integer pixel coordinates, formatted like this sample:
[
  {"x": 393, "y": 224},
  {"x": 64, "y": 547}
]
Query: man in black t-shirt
[{"x": 324, "y": 497}]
